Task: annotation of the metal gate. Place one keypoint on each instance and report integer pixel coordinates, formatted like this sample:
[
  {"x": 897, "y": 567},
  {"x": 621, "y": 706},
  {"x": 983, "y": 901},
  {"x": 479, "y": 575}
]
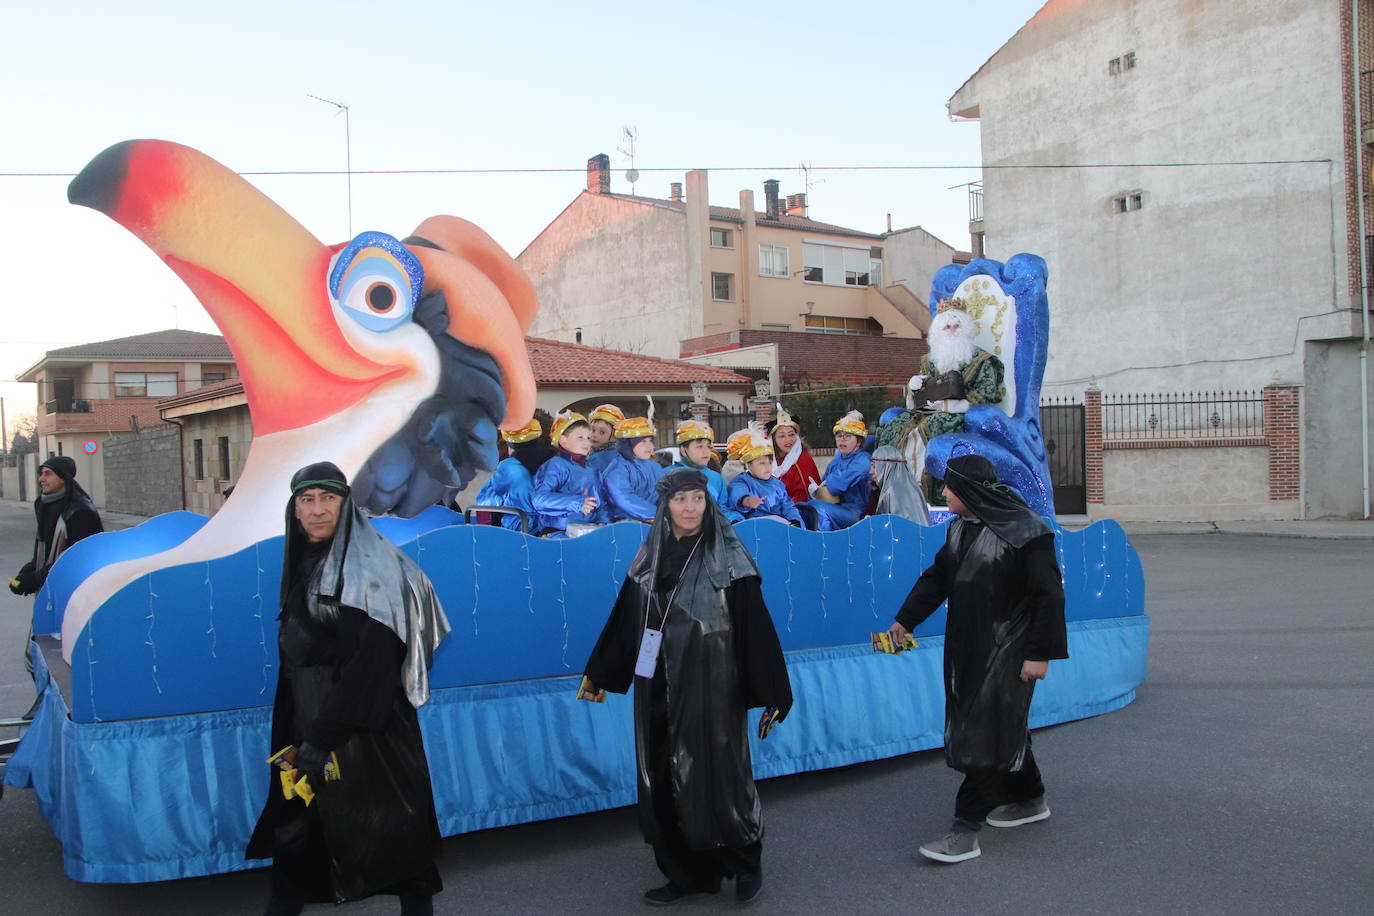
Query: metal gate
[{"x": 1061, "y": 422}]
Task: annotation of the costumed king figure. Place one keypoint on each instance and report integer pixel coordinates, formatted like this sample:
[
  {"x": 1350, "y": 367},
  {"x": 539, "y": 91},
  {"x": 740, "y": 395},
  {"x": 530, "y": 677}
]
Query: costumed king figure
[
  {"x": 695, "y": 450},
  {"x": 841, "y": 498},
  {"x": 1000, "y": 574},
  {"x": 511, "y": 485},
  {"x": 627, "y": 480},
  {"x": 602, "y": 423},
  {"x": 757, "y": 493},
  {"x": 566, "y": 490},
  {"x": 793, "y": 464},
  {"x": 955, "y": 375},
  {"x": 691, "y": 632},
  {"x": 358, "y": 628}
]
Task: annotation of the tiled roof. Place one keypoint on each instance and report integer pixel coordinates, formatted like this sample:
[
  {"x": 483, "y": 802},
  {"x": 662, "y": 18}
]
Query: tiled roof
[
  {"x": 732, "y": 214},
  {"x": 158, "y": 344},
  {"x": 556, "y": 362}
]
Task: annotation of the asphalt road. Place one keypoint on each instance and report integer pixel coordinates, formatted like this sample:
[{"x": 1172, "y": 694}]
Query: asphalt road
[{"x": 1238, "y": 782}]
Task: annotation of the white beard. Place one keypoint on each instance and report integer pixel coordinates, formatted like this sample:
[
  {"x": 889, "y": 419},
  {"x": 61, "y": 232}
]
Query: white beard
[{"x": 950, "y": 352}]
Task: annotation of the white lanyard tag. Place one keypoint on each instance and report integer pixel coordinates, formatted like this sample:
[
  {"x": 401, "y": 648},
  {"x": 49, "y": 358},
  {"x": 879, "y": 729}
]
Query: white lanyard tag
[{"x": 648, "y": 653}]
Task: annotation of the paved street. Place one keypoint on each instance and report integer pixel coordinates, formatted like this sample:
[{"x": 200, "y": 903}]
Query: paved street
[{"x": 1238, "y": 782}]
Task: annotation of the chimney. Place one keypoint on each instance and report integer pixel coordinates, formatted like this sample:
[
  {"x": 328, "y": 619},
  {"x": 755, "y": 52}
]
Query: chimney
[
  {"x": 599, "y": 174},
  {"x": 796, "y": 205},
  {"x": 675, "y": 190},
  {"x": 770, "y": 194}
]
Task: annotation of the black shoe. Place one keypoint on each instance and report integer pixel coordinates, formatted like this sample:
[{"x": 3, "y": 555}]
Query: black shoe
[
  {"x": 748, "y": 886},
  {"x": 667, "y": 895}
]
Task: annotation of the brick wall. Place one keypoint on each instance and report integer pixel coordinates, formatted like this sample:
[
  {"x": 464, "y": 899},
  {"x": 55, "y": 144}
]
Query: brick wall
[
  {"x": 810, "y": 359},
  {"x": 1092, "y": 444},
  {"x": 143, "y": 472},
  {"x": 1353, "y": 132},
  {"x": 1282, "y": 428}
]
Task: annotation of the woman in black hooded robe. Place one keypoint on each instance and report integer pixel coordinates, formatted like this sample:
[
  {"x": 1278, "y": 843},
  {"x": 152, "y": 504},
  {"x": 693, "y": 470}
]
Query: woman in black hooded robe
[
  {"x": 1000, "y": 574},
  {"x": 693, "y": 581},
  {"x": 356, "y": 634}
]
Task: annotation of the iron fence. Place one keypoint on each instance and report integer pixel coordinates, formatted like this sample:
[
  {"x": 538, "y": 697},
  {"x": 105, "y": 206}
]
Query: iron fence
[
  {"x": 1062, "y": 424},
  {"x": 1183, "y": 415}
]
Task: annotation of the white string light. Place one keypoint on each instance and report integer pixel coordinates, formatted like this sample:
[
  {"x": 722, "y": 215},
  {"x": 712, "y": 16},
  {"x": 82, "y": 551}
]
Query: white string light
[
  {"x": 262, "y": 630},
  {"x": 152, "y": 622},
  {"x": 214, "y": 637},
  {"x": 476, "y": 575}
]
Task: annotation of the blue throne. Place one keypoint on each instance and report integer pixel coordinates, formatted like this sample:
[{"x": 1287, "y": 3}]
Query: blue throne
[{"x": 1012, "y": 315}]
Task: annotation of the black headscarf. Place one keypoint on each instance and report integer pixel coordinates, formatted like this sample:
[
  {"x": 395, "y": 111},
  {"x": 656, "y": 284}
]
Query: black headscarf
[
  {"x": 723, "y": 557},
  {"x": 362, "y": 569},
  {"x": 973, "y": 479}
]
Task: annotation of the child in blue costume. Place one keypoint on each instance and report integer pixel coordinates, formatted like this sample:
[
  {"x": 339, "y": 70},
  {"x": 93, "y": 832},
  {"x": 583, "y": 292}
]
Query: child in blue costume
[
  {"x": 565, "y": 489},
  {"x": 757, "y": 493},
  {"x": 844, "y": 490},
  {"x": 628, "y": 480},
  {"x": 602, "y": 421},
  {"x": 512, "y": 483},
  {"x": 695, "y": 450}
]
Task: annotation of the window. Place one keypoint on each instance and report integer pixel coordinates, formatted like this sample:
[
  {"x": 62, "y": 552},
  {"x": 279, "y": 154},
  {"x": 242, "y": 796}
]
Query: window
[
  {"x": 1114, "y": 67},
  {"x": 875, "y": 272},
  {"x": 224, "y": 458},
  {"x": 722, "y": 287},
  {"x": 720, "y": 238},
  {"x": 145, "y": 384},
  {"x": 1128, "y": 61},
  {"x": 773, "y": 261},
  {"x": 1125, "y": 203},
  {"x": 832, "y": 324},
  {"x": 209, "y": 378},
  {"x": 835, "y": 265},
  {"x": 198, "y": 458}
]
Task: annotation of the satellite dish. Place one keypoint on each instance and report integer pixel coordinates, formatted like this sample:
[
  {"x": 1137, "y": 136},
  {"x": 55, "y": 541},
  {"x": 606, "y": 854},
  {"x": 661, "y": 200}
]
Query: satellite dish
[{"x": 632, "y": 176}]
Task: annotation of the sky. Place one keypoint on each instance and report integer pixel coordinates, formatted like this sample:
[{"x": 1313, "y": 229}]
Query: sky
[{"x": 749, "y": 91}]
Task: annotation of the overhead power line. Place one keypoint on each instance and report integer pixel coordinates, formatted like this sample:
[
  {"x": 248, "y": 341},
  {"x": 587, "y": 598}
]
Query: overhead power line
[{"x": 1224, "y": 163}]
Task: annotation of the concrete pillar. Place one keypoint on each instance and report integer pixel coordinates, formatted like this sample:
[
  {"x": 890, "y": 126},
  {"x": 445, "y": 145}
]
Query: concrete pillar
[
  {"x": 1283, "y": 430},
  {"x": 1092, "y": 445}
]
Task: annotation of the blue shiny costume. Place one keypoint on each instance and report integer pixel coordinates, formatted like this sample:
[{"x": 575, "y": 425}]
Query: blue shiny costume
[
  {"x": 715, "y": 485},
  {"x": 772, "y": 491},
  {"x": 559, "y": 488},
  {"x": 598, "y": 460},
  {"x": 845, "y": 477},
  {"x": 627, "y": 484},
  {"x": 510, "y": 486}
]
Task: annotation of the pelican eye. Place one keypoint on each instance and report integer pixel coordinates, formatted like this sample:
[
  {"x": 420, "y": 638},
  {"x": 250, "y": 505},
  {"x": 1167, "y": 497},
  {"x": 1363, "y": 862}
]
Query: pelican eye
[{"x": 376, "y": 281}]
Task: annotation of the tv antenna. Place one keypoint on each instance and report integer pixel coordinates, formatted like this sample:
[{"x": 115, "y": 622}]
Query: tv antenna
[
  {"x": 630, "y": 135},
  {"x": 348, "y": 153},
  {"x": 808, "y": 180}
]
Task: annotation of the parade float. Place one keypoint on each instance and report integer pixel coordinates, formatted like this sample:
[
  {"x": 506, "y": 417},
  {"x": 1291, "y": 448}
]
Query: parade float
[{"x": 398, "y": 359}]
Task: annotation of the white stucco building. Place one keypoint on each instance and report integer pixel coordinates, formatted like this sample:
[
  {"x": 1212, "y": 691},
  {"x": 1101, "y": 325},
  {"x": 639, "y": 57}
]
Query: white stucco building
[{"x": 1189, "y": 172}]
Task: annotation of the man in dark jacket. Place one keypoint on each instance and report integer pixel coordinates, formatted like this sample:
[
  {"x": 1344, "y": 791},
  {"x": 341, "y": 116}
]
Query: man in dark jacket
[
  {"x": 65, "y": 515},
  {"x": 1000, "y": 574}
]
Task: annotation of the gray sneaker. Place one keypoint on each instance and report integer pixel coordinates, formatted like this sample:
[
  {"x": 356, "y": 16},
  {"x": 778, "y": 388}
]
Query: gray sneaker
[
  {"x": 955, "y": 846},
  {"x": 1018, "y": 813}
]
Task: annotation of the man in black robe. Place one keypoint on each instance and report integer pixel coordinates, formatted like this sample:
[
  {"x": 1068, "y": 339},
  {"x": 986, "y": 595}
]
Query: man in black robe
[
  {"x": 694, "y": 582},
  {"x": 1000, "y": 574},
  {"x": 65, "y": 515},
  {"x": 357, "y": 632}
]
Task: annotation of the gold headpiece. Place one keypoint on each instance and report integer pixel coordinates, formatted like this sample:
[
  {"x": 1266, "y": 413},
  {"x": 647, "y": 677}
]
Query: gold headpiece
[
  {"x": 852, "y": 423},
  {"x": 526, "y": 433},
  {"x": 562, "y": 421},
  {"x": 951, "y": 303},
  {"x": 634, "y": 428},
  {"x": 607, "y": 412},
  {"x": 688, "y": 430},
  {"x": 748, "y": 445}
]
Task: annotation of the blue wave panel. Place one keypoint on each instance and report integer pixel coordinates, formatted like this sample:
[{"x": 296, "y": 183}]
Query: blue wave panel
[
  {"x": 202, "y": 637},
  {"x": 522, "y": 607},
  {"x": 190, "y": 638},
  {"x": 400, "y": 530},
  {"x": 157, "y": 534}
]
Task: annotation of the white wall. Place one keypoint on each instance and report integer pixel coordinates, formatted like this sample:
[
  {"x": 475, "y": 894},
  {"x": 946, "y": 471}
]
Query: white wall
[
  {"x": 1204, "y": 286},
  {"x": 648, "y": 310},
  {"x": 911, "y": 257}
]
